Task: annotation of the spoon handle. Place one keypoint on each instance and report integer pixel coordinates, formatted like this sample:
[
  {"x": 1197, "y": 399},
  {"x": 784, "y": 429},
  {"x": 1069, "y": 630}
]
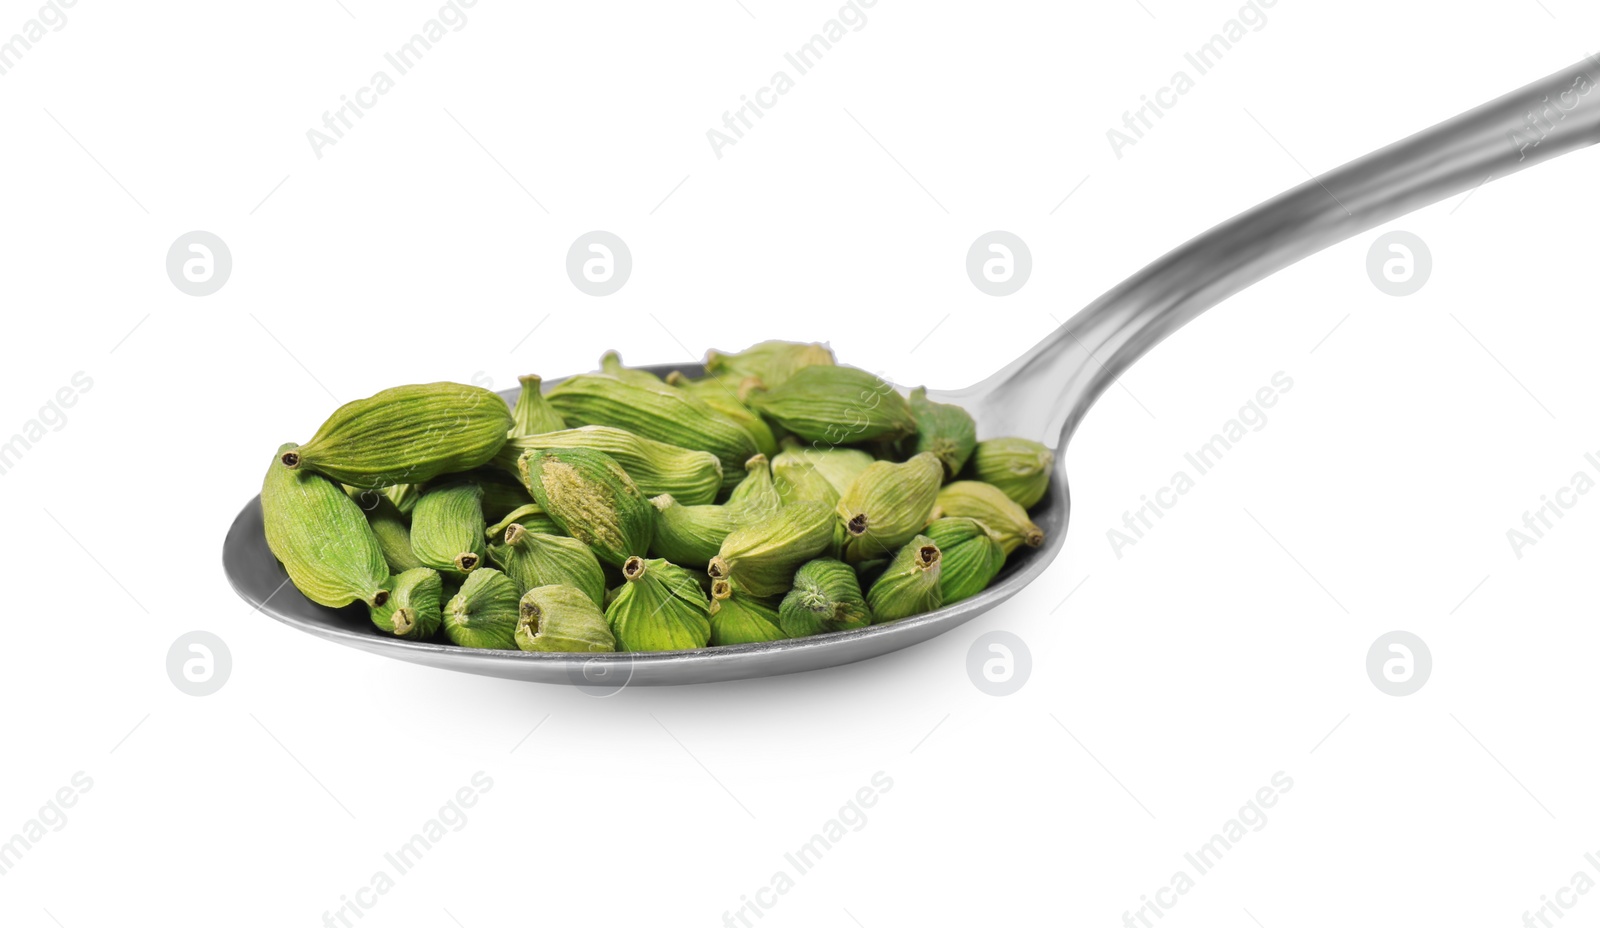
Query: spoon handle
[{"x": 1047, "y": 391}]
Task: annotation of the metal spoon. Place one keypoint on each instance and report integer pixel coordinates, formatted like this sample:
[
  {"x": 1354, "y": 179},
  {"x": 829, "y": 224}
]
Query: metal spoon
[{"x": 1045, "y": 393}]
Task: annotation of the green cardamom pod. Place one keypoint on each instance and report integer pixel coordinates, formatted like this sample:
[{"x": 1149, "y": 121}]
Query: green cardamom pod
[
  {"x": 974, "y": 499},
  {"x": 656, "y": 411},
  {"x": 389, "y": 526},
  {"x": 839, "y": 466},
  {"x": 660, "y": 607},
  {"x": 530, "y": 517},
  {"x": 756, "y": 497},
  {"x": 415, "y": 607},
  {"x": 484, "y": 613},
  {"x": 562, "y": 618},
  {"x": 406, "y": 435},
  {"x": 888, "y": 505},
  {"x": 404, "y": 496},
  {"x": 694, "y": 477},
  {"x": 971, "y": 556},
  {"x": 502, "y": 491},
  {"x": 799, "y": 480},
  {"x": 946, "y": 431},
  {"x": 762, "y": 557},
  {"x": 593, "y": 499},
  {"x": 534, "y": 560},
  {"x": 611, "y": 363},
  {"x": 728, "y": 399},
  {"x": 910, "y": 584},
  {"x": 738, "y": 618},
  {"x": 772, "y": 361},
  {"x": 447, "y": 530},
  {"x": 838, "y": 405},
  {"x": 1019, "y": 467},
  {"x": 322, "y": 538},
  {"x": 826, "y": 598},
  {"x": 690, "y": 536},
  {"x": 533, "y": 414}
]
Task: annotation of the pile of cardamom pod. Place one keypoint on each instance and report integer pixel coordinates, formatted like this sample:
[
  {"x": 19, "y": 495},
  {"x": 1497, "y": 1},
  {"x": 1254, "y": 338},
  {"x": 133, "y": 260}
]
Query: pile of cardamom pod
[{"x": 781, "y": 495}]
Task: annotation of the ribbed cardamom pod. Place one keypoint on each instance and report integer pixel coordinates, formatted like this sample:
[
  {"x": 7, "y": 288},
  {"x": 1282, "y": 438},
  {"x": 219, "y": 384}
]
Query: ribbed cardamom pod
[
  {"x": 530, "y": 517},
  {"x": 447, "y": 530},
  {"x": 756, "y": 497},
  {"x": 728, "y": 398},
  {"x": 761, "y": 557},
  {"x": 1019, "y": 467},
  {"x": 694, "y": 477},
  {"x": 611, "y": 363},
  {"x": 826, "y": 598},
  {"x": 392, "y": 529},
  {"x": 690, "y": 536},
  {"x": 838, "y": 405},
  {"x": 888, "y": 505},
  {"x": 985, "y": 502},
  {"x": 661, "y": 607},
  {"x": 772, "y": 361},
  {"x": 945, "y": 430},
  {"x": 910, "y": 584},
  {"x": 414, "y": 610},
  {"x": 533, "y": 414},
  {"x": 406, "y": 435},
  {"x": 502, "y": 491},
  {"x": 840, "y": 466},
  {"x": 483, "y": 614},
  {"x": 593, "y": 499},
  {"x": 534, "y": 560},
  {"x": 658, "y": 411},
  {"x": 739, "y": 618},
  {"x": 799, "y": 480},
  {"x": 404, "y": 496},
  {"x": 971, "y": 556},
  {"x": 322, "y": 538},
  {"x": 562, "y": 618}
]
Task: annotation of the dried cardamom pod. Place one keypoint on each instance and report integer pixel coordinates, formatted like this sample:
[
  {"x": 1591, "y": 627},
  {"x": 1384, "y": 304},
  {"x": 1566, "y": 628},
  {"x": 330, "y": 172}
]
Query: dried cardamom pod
[
  {"x": 406, "y": 435},
  {"x": 1019, "y": 467},
  {"x": 971, "y": 556},
  {"x": 910, "y": 584},
  {"x": 611, "y": 363},
  {"x": 888, "y": 505},
  {"x": 533, "y": 560},
  {"x": 739, "y": 618},
  {"x": 690, "y": 536},
  {"x": 838, "y": 405},
  {"x": 404, "y": 496},
  {"x": 694, "y": 477},
  {"x": 447, "y": 530},
  {"x": 761, "y": 557},
  {"x": 484, "y": 613},
  {"x": 840, "y": 466},
  {"x": 530, "y": 517},
  {"x": 772, "y": 361},
  {"x": 756, "y": 497},
  {"x": 660, "y": 607},
  {"x": 502, "y": 491},
  {"x": 414, "y": 610},
  {"x": 826, "y": 598},
  {"x": 985, "y": 502},
  {"x": 593, "y": 499},
  {"x": 322, "y": 538},
  {"x": 946, "y": 431},
  {"x": 728, "y": 399},
  {"x": 533, "y": 414},
  {"x": 657, "y": 411},
  {"x": 799, "y": 480},
  {"x": 392, "y": 529},
  {"x": 562, "y": 618}
]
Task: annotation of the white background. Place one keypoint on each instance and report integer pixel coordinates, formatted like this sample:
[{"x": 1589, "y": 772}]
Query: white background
[{"x": 1226, "y": 646}]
